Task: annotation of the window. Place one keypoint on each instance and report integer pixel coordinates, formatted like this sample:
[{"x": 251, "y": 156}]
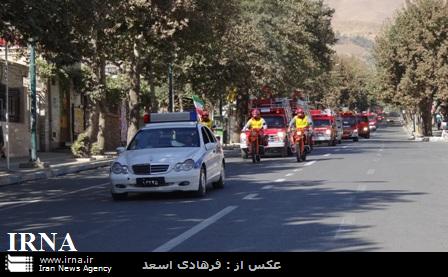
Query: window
[
  {"x": 275, "y": 121},
  {"x": 165, "y": 138},
  {"x": 205, "y": 137},
  {"x": 14, "y": 104},
  {"x": 210, "y": 135}
]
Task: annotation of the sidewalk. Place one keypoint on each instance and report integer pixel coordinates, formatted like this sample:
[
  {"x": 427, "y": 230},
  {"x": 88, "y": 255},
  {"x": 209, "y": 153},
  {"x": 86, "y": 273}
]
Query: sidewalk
[
  {"x": 59, "y": 163},
  {"x": 437, "y": 135}
]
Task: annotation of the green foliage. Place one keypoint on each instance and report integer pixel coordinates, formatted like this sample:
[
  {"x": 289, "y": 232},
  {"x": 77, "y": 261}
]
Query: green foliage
[
  {"x": 80, "y": 148},
  {"x": 411, "y": 58},
  {"x": 96, "y": 149}
]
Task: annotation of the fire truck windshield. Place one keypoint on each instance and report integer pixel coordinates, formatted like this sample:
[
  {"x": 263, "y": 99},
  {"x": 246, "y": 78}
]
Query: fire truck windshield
[
  {"x": 349, "y": 121},
  {"x": 321, "y": 122},
  {"x": 275, "y": 121}
]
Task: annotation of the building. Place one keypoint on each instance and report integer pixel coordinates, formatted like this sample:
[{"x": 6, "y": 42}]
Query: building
[{"x": 19, "y": 126}]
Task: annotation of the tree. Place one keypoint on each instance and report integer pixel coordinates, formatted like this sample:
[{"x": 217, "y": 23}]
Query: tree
[{"x": 412, "y": 61}]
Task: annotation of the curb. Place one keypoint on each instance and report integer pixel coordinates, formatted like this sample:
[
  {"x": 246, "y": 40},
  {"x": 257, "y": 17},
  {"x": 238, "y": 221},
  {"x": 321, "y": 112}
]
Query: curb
[{"x": 52, "y": 172}]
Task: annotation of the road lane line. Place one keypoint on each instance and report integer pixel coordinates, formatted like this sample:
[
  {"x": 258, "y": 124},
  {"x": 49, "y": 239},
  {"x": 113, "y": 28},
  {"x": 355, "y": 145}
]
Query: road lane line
[
  {"x": 371, "y": 171},
  {"x": 343, "y": 226},
  {"x": 345, "y": 147},
  {"x": 280, "y": 180},
  {"x": 298, "y": 170},
  {"x": 310, "y": 163},
  {"x": 250, "y": 196},
  {"x": 267, "y": 187},
  {"x": 327, "y": 155},
  {"x": 289, "y": 175},
  {"x": 362, "y": 188},
  {"x": 196, "y": 229},
  {"x": 49, "y": 198}
]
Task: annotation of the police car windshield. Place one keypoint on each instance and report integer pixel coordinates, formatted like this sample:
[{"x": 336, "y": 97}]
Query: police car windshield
[
  {"x": 321, "y": 122},
  {"x": 165, "y": 138},
  {"x": 275, "y": 121}
]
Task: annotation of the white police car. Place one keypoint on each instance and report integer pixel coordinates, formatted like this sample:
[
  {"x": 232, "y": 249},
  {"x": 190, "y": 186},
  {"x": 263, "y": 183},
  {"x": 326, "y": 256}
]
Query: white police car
[{"x": 172, "y": 153}]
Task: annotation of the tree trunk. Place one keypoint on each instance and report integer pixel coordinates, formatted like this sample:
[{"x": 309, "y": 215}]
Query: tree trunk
[
  {"x": 426, "y": 117},
  {"x": 154, "y": 105},
  {"x": 240, "y": 116},
  {"x": 92, "y": 122},
  {"x": 100, "y": 138},
  {"x": 133, "y": 96},
  {"x": 101, "y": 106}
]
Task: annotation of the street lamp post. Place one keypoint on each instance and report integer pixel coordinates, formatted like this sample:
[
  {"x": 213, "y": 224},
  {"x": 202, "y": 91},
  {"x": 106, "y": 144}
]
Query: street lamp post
[
  {"x": 7, "y": 106},
  {"x": 170, "y": 89},
  {"x": 33, "y": 96}
]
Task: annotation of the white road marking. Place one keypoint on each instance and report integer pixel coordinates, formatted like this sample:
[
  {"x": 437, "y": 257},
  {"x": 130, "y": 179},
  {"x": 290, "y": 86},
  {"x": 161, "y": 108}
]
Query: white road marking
[
  {"x": 251, "y": 196},
  {"x": 381, "y": 150},
  {"x": 267, "y": 187},
  {"x": 362, "y": 188},
  {"x": 48, "y": 198},
  {"x": 280, "y": 180},
  {"x": 327, "y": 155},
  {"x": 196, "y": 229},
  {"x": 298, "y": 170},
  {"x": 289, "y": 175},
  {"x": 343, "y": 226},
  {"x": 345, "y": 147},
  {"x": 371, "y": 171},
  {"x": 310, "y": 163}
]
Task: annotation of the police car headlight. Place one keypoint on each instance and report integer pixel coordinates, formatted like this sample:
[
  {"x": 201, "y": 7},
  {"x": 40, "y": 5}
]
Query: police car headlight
[
  {"x": 118, "y": 168},
  {"x": 185, "y": 166},
  {"x": 188, "y": 165}
]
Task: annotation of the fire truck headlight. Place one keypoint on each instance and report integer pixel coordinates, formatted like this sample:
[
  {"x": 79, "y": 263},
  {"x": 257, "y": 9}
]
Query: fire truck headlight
[
  {"x": 328, "y": 132},
  {"x": 281, "y": 135}
]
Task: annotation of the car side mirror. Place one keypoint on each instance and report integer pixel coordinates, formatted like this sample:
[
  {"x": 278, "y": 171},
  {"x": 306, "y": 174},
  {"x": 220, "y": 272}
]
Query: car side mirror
[{"x": 120, "y": 150}]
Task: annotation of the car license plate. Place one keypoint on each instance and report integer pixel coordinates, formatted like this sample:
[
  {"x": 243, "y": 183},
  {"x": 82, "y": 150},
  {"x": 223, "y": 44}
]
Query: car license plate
[{"x": 150, "y": 182}]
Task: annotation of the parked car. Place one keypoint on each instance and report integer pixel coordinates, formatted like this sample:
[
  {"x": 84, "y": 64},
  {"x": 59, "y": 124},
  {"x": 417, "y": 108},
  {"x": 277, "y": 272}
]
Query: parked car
[
  {"x": 394, "y": 118},
  {"x": 172, "y": 153}
]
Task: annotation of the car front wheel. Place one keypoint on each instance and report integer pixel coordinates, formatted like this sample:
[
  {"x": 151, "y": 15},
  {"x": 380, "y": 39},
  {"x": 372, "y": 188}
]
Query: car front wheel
[
  {"x": 202, "y": 189},
  {"x": 220, "y": 183}
]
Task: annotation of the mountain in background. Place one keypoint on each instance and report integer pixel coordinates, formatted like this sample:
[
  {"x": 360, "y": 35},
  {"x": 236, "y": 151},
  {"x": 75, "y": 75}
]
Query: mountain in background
[{"x": 357, "y": 23}]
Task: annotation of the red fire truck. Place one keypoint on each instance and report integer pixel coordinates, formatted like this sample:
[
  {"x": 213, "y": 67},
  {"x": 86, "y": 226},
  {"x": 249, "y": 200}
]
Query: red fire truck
[
  {"x": 325, "y": 128},
  {"x": 277, "y": 114},
  {"x": 350, "y": 126}
]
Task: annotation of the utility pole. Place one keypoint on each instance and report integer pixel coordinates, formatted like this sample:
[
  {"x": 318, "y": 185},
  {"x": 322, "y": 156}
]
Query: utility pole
[
  {"x": 8, "y": 166},
  {"x": 170, "y": 89},
  {"x": 34, "y": 160},
  {"x": 33, "y": 96}
]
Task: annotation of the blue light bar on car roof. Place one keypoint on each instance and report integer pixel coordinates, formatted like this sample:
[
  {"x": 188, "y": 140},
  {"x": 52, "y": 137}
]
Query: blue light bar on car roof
[{"x": 173, "y": 117}]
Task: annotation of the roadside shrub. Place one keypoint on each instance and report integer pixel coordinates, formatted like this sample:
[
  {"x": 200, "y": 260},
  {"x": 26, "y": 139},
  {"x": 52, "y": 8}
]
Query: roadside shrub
[{"x": 80, "y": 148}]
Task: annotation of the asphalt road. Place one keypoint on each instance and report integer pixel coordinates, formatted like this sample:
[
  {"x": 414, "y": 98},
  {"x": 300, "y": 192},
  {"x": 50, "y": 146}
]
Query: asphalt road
[{"x": 382, "y": 194}]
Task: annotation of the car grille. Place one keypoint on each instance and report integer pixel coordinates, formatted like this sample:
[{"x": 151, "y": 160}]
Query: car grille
[{"x": 146, "y": 169}]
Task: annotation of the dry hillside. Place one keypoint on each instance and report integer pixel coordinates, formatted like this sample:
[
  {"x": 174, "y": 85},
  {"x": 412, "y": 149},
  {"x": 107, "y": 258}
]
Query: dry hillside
[{"x": 356, "y": 19}]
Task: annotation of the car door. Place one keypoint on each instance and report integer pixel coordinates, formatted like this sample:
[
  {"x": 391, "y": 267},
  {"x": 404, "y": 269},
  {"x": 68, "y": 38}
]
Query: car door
[
  {"x": 209, "y": 154},
  {"x": 216, "y": 161}
]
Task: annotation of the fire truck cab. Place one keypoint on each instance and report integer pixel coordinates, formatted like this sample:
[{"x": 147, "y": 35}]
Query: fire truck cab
[
  {"x": 350, "y": 126},
  {"x": 277, "y": 114},
  {"x": 325, "y": 127}
]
